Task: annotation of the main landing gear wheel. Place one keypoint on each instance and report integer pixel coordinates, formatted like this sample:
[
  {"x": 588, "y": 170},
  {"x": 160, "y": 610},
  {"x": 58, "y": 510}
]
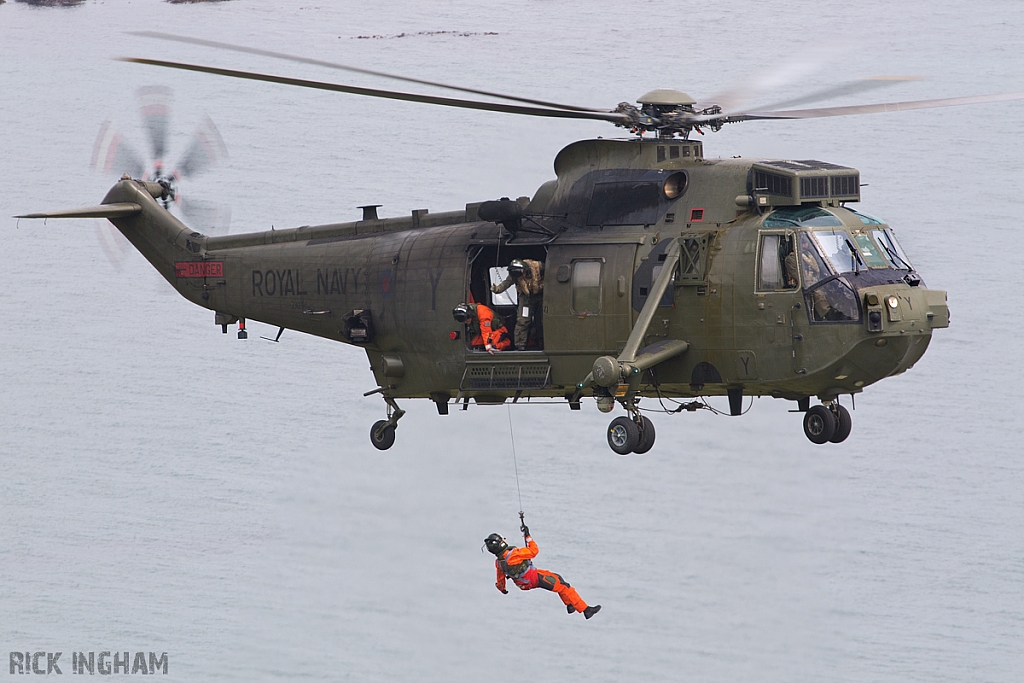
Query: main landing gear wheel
[
  {"x": 844, "y": 423},
  {"x": 623, "y": 435},
  {"x": 647, "y": 434},
  {"x": 382, "y": 435},
  {"x": 819, "y": 424}
]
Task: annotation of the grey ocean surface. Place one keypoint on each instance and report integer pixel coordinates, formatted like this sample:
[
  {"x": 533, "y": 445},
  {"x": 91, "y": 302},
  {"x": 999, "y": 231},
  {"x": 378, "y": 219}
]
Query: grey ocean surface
[{"x": 168, "y": 488}]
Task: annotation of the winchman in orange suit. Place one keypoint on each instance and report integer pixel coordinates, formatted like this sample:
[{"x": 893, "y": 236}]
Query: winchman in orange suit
[
  {"x": 484, "y": 328},
  {"x": 516, "y": 564}
]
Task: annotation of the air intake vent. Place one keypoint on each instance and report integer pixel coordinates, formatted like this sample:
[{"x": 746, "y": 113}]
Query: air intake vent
[
  {"x": 845, "y": 185},
  {"x": 773, "y": 183},
  {"x": 814, "y": 187},
  {"x": 790, "y": 183}
]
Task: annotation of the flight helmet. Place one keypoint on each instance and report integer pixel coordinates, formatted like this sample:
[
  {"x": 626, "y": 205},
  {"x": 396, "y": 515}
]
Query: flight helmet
[
  {"x": 462, "y": 313},
  {"x": 516, "y": 268},
  {"x": 496, "y": 544}
]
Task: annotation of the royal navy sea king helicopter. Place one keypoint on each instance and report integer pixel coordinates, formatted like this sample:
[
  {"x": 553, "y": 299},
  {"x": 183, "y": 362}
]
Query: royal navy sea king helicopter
[{"x": 667, "y": 275}]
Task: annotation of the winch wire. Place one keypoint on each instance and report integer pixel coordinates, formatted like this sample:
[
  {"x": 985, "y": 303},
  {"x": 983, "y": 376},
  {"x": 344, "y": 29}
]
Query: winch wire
[{"x": 514, "y": 463}]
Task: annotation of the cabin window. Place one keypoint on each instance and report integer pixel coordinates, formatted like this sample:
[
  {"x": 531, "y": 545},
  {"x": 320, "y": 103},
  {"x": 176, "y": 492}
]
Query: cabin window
[
  {"x": 837, "y": 247},
  {"x": 808, "y": 216},
  {"x": 871, "y": 253},
  {"x": 893, "y": 251},
  {"x": 624, "y": 203},
  {"x": 865, "y": 218},
  {"x": 833, "y": 301},
  {"x": 778, "y": 266},
  {"x": 586, "y": 287},
  {"x": 812, "y": 267},
  {"x": 510, "y": 297}
]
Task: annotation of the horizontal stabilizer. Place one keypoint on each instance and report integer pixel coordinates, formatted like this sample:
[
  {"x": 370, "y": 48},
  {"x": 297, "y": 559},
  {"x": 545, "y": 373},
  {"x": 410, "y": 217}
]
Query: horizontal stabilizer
[{"x": 101, "y": 211}]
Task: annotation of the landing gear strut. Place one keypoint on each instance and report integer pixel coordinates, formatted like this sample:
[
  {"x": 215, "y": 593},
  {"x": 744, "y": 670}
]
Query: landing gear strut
[
  {"x": 631, "y": 434},
  {"x": 382, "y": 433},
  {"x": 829, "y": 423}
]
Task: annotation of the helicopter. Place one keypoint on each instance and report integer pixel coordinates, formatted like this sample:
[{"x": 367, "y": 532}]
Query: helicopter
[{"x": 667, "y": 275}]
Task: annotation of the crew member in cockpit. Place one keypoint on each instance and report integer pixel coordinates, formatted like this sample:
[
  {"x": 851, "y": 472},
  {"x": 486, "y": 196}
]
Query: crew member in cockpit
[{"x": 814, "y": 271}]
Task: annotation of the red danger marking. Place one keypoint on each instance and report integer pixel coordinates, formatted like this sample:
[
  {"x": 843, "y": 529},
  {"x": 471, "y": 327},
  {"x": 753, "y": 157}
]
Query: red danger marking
[{"x": 199, "y": 269}]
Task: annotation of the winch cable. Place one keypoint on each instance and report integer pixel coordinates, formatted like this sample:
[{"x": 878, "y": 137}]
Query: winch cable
[{"x": 515, "y": 464}]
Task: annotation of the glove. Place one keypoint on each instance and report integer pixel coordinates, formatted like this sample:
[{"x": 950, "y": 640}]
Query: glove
[
  {"x": 494, "y": 288},
  {"x": 525, "y": 529}
]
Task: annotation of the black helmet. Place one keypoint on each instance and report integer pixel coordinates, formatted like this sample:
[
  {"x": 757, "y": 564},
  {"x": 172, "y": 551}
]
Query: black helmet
[
  {"x": 496, "y": 544},
  {"x": 462, "y": 313},
  {"x": 516, "y": 268}
]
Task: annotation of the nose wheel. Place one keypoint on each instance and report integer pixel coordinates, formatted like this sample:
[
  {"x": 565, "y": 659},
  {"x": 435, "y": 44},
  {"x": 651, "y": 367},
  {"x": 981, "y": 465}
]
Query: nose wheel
[
  {"x": 827, "y": 423},
  {"x": 631, "y": 434}
]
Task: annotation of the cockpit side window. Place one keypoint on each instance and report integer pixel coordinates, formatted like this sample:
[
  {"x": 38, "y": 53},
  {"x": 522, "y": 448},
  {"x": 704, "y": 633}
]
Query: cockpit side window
[
  {"x": 812, "y": 267},
  {"x": 829, "y": 299},
  {"x": 777, "y": 267}
]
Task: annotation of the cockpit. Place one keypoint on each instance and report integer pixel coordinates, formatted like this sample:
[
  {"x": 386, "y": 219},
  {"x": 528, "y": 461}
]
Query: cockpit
[{"x": 830, "y": 253}]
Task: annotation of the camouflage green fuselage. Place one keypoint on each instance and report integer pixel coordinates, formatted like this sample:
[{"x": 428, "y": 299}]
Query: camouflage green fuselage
[{"x": 408, "y": 273}]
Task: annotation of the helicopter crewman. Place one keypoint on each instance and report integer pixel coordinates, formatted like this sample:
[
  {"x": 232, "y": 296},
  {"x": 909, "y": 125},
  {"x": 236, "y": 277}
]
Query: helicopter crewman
[
  {"x": 516, "y": 564},
  {"x": 528, "y": 276},
  {"x": 814, "y": 271},
  {"x": 485, "y": 328}
]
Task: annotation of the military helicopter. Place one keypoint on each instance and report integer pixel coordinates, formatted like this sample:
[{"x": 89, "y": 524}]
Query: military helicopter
[{"x": 667, "y": 275}]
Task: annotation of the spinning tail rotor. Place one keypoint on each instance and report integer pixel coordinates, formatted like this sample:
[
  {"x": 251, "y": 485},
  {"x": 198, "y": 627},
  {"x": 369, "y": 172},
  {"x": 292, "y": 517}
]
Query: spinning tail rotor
[{"x": 114, "y": 155}]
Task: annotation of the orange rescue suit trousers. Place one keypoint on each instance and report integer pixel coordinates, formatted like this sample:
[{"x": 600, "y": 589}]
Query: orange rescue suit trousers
[{"x": 553, "y": 582}]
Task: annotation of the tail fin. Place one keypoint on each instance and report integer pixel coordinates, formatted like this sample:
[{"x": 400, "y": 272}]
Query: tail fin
[{"x": 133, "y": 207}]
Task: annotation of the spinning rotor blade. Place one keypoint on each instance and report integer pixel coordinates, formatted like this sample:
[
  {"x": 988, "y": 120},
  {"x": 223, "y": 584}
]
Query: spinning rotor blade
[
  {"x": 112, "y": 153},
  {"x": 389, "y": 94},
  {"x": 873, "y": 108},
  {"x": 209, "y": 218},
  {"x": 354, "y": 69},
  {"x": 762, "y": 84},
  {"x": 851, "y": 88},
  {"x": 206, "y": 149},
  {"x": 155, "y": 107}
]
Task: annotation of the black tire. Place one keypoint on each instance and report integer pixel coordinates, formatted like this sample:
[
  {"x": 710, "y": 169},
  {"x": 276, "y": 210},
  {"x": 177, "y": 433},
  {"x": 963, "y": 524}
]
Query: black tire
[
  {"x": 844, "y": 423},
  {"x": 647, "y": 435},
  {"x": 819, "y": 424},
  {"x": 382, "y": 439},
  {"x": 623, "y": 435}
]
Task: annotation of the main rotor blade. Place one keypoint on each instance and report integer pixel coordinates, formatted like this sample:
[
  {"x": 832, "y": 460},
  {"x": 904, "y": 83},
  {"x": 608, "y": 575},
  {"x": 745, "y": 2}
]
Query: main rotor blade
[
  {"x": 876, "y": 108},
  {"x": 861, "y": 85},
  {"x": 354, "y": 69},
  {"x": 388, "y": 94},
  {"x": 761, "y": 84}
]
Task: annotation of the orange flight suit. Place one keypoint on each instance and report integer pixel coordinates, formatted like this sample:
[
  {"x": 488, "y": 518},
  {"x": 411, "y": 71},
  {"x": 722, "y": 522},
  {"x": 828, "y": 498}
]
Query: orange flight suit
[
  {"x": 483, "y": 334},
  {"x": 516, "y": 564}
]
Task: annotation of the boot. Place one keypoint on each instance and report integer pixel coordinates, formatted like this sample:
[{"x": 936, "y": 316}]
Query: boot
[
  {"x": 591, "y": 611},
  {"x": 570, "y": 609}
]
